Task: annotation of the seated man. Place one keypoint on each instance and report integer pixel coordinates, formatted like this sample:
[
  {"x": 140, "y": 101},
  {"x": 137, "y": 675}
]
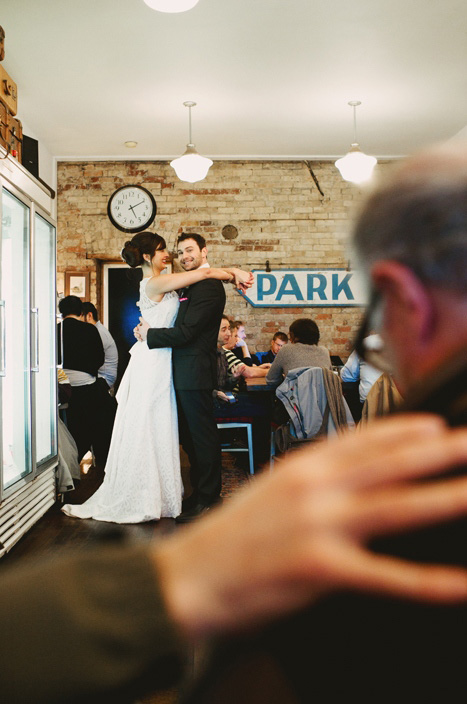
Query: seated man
[
  {"x": 227, "y": 373},
  {"x": 245, "y": 368},
  {"x": 239, "y": 346},
  {"x": 303, "y": 351},
  {"x": 278, "y": 340}
]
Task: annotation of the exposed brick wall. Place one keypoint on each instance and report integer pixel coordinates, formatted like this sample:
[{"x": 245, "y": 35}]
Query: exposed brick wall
[{"x": 276, "y": 207}]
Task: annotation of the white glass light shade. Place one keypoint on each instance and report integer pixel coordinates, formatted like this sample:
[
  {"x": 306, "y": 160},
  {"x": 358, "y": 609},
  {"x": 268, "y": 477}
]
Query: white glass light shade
[
  {"x": 191, "y": 166},
  {"x": 356, "y": 166},
  {"x": 171, "y": 5}
]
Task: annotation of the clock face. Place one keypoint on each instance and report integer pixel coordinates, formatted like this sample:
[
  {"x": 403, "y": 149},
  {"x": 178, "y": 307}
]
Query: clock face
[{"x": 131, "y": 208}]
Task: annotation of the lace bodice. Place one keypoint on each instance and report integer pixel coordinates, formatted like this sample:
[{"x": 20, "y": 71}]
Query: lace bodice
[{"x": 161, "y": 314}]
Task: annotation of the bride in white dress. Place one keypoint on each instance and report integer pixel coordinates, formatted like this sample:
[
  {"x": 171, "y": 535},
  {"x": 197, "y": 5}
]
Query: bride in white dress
[{"x": 142, "y": 479}]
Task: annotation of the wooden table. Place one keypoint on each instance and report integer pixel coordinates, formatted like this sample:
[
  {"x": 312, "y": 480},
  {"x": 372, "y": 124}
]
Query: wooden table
[{"x": 259, "y": 384}]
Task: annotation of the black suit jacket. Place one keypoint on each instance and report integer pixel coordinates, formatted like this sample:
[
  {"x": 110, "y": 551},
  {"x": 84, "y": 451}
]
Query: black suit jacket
[{"x": 194, "y": 336}]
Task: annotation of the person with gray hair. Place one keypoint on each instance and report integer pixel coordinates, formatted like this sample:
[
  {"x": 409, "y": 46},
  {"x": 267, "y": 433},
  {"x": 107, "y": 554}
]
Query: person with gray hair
[
  {"x": 411, "y": 242},
  {"x": 419, "y": 218}
]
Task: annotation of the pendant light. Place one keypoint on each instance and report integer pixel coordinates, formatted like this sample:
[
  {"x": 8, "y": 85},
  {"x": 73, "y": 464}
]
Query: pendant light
[
  {"x": 171, "y": 5},
  {"x": 356, "y": 166},
  {"x": 191, "y": 166}
]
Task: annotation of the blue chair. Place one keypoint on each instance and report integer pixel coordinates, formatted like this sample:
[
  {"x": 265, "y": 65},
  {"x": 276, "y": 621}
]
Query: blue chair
[{"x": 228, "y": 447}]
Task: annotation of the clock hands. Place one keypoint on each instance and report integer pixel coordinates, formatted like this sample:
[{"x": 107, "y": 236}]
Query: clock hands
[{"x": 132, "y": 207}]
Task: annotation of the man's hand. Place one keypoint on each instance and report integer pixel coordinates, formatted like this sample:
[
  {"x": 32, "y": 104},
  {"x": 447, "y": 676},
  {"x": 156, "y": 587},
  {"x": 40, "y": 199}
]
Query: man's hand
[
  {"x": 246, "y": 372},
  {"x": 302, "y": 531},
  {"x": 141, "y": 330},
  {"x": 238, "y": 369},
  {"x": 254, "y": 372},
  {"x": 222, "y": 396}
]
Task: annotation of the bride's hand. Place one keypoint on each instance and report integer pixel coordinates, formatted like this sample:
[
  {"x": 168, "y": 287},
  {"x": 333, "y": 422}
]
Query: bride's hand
[
  {"x": 243, "y": 279},
  {"x": 141, "y": 330}
]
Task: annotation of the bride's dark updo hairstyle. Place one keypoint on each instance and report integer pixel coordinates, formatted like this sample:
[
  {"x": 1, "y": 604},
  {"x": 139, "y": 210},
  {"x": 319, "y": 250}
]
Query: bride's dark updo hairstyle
[{"x": 142, "y": 243}]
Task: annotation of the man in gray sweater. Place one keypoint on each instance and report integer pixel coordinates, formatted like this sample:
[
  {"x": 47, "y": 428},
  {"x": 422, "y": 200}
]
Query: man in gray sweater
[{"x": 303, "y": 351}]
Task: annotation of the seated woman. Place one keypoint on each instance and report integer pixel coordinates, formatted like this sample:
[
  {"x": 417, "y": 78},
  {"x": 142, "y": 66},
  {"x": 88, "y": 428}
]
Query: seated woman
[{"x": 303, "y": 351}]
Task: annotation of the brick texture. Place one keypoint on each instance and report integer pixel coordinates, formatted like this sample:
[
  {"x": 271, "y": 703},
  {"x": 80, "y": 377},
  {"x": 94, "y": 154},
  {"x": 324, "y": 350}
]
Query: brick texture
[{"x": 276, "y": 207}]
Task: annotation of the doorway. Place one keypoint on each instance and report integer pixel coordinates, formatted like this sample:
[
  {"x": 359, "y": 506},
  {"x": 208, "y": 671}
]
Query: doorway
[{"x": 120, "y": 286}]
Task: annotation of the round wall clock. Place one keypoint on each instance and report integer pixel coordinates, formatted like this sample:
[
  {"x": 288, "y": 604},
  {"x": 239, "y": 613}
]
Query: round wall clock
[{"x": 131, "y": 208}]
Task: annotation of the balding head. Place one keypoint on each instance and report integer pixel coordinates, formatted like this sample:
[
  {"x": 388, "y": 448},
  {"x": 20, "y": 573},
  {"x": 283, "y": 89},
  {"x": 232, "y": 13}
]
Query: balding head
[
  {"x": 418, "y": 216},
  {"x": 411, "y": 240}
]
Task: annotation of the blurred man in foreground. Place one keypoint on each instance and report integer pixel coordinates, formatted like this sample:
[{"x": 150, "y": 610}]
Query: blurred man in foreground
[{"x": 411, "y": 241}]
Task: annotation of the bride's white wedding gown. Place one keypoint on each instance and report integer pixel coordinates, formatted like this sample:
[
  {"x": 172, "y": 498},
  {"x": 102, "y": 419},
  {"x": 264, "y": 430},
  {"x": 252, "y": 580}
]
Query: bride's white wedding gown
[{"x": 142, "y": 476}]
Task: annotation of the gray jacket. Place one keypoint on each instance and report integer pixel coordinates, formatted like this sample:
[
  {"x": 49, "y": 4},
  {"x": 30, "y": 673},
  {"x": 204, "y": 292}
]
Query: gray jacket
[{"x": 303, "y": 393}]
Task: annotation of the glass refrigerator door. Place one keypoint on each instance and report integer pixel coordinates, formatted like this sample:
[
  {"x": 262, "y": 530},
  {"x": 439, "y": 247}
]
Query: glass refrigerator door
[
  {"x": 43, "y": 338},
  {"x": 14, "y": 362}
]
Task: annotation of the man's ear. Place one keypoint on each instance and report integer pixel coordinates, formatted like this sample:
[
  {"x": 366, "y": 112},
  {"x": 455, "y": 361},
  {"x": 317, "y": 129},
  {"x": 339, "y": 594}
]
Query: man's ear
[{"x": 408, "y": 305}]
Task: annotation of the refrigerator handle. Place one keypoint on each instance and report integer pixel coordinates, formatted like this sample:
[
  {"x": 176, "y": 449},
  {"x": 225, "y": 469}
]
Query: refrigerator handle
[
  {"x": 2, "y": 339},
  {"x": 60, "y": 320},
  {"x": 35, "y": 327}
]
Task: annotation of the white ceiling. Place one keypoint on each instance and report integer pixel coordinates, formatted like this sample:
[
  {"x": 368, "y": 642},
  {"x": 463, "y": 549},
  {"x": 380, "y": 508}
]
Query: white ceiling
[{"x": 272, "y": 78}]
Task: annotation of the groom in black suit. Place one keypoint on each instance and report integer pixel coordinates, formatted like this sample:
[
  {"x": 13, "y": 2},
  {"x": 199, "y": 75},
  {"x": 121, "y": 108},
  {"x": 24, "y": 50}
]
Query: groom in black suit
[{"x": 194, "y": 342}]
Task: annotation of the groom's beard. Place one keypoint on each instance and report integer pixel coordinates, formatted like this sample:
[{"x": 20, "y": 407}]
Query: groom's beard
[{"x": 191, "y": 263}]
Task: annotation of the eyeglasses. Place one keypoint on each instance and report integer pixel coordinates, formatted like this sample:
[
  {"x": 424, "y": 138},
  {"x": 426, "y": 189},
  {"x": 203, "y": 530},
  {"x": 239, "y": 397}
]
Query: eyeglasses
[{"x": 372, "y": 353}]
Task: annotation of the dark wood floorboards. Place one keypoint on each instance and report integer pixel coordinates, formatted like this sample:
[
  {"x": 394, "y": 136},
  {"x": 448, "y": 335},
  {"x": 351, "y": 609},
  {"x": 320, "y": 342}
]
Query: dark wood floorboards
[{"x": 56, "y": 532}]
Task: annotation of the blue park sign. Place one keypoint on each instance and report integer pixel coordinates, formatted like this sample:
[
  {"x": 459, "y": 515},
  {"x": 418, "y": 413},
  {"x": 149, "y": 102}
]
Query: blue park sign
[{"x": 306, "y": 287}]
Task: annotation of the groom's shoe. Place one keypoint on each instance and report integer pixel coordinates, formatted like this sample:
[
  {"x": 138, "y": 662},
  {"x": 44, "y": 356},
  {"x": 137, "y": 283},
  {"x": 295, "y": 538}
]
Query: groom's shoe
[
  {"x": 190, "y": 514},
  {"x": 190, "y": 502}
]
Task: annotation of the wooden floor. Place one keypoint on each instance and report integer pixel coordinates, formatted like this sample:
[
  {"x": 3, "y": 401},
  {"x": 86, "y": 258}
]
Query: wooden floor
[{"x": 56, "y": 532}]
